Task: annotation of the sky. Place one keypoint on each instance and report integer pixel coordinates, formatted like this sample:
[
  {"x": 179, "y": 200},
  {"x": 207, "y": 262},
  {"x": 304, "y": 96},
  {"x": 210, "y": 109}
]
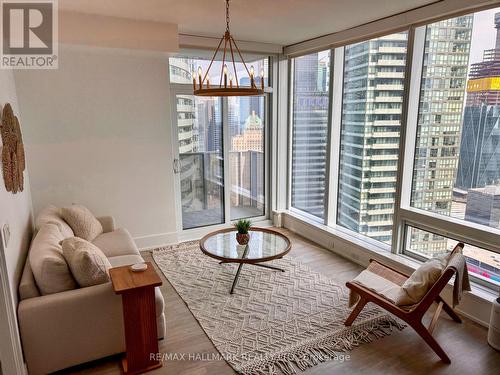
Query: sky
[{"x": 483, "y": 34}]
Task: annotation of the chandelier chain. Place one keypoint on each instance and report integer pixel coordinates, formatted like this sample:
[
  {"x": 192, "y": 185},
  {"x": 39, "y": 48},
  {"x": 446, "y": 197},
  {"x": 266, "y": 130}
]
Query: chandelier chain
[{"x": 226, "y": 87}]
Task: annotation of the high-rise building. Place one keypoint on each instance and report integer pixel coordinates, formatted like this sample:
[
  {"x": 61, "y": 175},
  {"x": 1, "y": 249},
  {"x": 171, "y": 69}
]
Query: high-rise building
[
  {"x": 480, "y": 147},
  {"x": 252, "y": 136},
  {"x": 371, "y": 119},
  {"x": 310, "y": 129},
  {"x": 483, "y": 206},
  {"x": 444, "y": 78},
  {"x": 247, "y": 162}
]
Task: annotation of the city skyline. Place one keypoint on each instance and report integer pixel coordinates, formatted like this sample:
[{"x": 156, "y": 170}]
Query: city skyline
[
  {"x": 200, "y": 123},
  {"x": 372, "y": 104}
]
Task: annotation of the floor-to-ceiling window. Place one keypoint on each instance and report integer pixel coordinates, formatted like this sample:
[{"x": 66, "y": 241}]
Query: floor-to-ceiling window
[
  {"x": 310, "y": 103},
  {"x": 247, "y": 122},
  {"x": 221, "y": 144},
  {"x": 374, "y": 73},
  {"x": 456, "y": 172},
  {"x": 402, "y": 150}
]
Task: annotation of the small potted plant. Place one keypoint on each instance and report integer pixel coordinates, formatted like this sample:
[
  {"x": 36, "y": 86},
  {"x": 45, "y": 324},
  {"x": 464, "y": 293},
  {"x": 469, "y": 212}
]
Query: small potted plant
[{"x": 242, "y": 226}]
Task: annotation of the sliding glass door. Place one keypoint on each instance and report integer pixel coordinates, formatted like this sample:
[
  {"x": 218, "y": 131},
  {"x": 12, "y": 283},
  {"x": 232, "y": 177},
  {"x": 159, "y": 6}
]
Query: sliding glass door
[
  {"x": 220, "y": 159},
  {"x": 200, "y": 163},
  {"x": 246, "y": 123}
]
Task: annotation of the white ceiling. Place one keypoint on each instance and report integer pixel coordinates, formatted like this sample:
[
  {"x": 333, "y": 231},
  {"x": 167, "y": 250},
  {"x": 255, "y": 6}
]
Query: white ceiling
[{"x": 282, "y": 22}]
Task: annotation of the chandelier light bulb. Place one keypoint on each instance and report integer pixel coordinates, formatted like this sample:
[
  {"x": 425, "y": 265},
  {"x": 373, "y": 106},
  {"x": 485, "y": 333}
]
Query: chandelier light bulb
[
  {"x": 225, "y": 75},
  {"x": 199, "y": 77}
]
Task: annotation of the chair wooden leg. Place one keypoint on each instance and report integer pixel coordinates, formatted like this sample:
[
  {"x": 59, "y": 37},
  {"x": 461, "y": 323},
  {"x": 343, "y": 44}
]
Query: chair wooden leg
[
  {"x": 449, "y": 310},
  {"x": 357, "y": 309},
  {"x": 435, "y": 317},
  {"x": 422, "y": 331}
]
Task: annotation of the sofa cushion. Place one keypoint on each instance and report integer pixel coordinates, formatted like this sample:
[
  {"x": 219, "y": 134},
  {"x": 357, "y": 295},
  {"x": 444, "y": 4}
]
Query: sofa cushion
[
  {"x": 82, "y": 221},
  {"x": 52, "y": 214},
  {"x": 117, "y": 242},
  {"x": 125, "y": 260},
  {"x": 51, "y": 272},
  {"x": 87, "y": 262},
  {"x": 27, "y": 284}
]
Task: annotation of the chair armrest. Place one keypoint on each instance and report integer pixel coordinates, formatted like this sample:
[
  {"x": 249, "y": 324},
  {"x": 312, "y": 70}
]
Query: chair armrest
[
  {"x": 107, "y": 222},
  {"x": 63, "y": 329}
]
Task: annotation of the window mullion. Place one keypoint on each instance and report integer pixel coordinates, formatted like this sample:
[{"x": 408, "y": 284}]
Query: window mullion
[
  {"x": 289, "y": 122},
  {"x": 398, "y": 232},
  {"x": 337, "y": 78},
  {"x": 226, "y": 170}
]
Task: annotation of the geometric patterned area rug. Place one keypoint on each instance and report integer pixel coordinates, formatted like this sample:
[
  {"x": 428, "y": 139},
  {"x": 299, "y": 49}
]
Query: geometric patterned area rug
[{"x": 275, "y": 321}]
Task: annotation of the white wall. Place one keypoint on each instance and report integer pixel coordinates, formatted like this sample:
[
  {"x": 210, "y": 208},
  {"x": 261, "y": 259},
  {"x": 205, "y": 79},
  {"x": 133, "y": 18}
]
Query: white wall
[
  {"x": 15, "y": 210},
  {"x": 98, "y": 131}
]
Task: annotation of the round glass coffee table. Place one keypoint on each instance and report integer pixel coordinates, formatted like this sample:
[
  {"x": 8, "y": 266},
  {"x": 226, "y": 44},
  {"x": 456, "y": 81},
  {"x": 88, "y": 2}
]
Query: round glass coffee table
[{"x": 264, "y": 245}]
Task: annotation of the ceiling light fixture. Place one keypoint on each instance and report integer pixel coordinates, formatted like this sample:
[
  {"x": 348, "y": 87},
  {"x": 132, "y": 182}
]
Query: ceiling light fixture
[{"x": 227, "y": 87}]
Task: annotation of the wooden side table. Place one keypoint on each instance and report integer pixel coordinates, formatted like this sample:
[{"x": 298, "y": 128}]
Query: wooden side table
[{"x": 139, "y": 315}]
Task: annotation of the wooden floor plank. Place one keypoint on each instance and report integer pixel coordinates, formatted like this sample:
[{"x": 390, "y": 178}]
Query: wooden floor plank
[{"x": 400, "y": 353}]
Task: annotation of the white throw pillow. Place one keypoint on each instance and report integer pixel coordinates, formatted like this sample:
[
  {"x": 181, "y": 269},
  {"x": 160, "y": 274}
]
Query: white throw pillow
[
  {"x": 87, "y": 262},
  {"x": 50, "y": 270},
  {"x": 82, "y": 222},
  {"x": 421, "y": 280}
]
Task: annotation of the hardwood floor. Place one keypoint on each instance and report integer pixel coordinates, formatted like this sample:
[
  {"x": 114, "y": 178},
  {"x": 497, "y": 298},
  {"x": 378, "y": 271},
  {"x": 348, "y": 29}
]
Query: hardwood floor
[{"x": 403, "y": 352}]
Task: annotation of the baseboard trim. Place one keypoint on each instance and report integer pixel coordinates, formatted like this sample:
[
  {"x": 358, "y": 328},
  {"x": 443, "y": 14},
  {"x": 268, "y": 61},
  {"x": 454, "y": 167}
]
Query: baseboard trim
[
  {"x": 145, "y": 243},
  {"x": 156, "y": 240}
]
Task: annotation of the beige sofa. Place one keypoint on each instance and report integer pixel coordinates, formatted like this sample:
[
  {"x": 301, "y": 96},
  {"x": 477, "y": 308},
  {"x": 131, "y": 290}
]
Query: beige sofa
[{"x": 76, "y": 326}]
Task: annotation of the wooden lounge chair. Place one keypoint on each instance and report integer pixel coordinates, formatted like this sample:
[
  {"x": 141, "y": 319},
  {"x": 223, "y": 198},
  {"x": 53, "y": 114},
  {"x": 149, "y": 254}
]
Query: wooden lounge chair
[{"x": 412, "y": 315}]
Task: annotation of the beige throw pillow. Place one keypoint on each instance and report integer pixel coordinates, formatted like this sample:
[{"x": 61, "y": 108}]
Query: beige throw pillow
[
  {"x": 52, "y": 214},
  {"x": 421, "y": 280},
  {"x": 87, "y": 262},
  {"x": 47, "y": 262},
  {"x": 82, "y": 222}
]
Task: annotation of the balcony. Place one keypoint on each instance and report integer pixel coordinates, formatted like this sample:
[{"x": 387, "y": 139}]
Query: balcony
[
  {"x": 390, "y": 75},
  {"x": 391, "y": 62},
  {"x": 389, "y": 99},
  {"x": 389, "y": 87}
]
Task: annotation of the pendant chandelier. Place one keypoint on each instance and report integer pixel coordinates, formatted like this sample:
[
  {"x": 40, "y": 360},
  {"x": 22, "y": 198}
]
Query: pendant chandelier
[{"x": 227, "y": 87}]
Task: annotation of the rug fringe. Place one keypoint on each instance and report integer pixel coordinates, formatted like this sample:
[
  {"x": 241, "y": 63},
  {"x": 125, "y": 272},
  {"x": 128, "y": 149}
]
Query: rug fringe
[{"x": 311, "y": 354}]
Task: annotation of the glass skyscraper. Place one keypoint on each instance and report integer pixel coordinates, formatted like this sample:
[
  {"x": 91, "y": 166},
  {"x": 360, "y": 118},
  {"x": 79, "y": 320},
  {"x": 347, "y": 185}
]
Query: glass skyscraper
[
  {"x": 442, "y": 97},
  {"x": 310, "y": 131},
  {"x": 480, "y": 147},
  {"x": 371, "y": 120}
]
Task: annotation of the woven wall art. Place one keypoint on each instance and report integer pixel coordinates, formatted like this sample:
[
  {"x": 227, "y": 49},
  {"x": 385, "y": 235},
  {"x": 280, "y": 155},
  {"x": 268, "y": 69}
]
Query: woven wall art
[{"x": 13, "y": 160}]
